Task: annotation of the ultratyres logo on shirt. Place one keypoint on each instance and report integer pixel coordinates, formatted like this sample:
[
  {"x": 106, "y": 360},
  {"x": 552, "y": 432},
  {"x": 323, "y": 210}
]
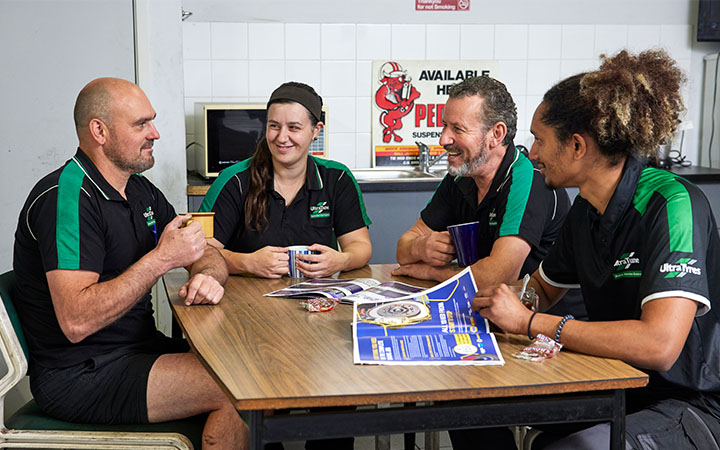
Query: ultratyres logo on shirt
[
  {"x": 682, "y": 267},
  {"x": 492, "y": 218},
  {"x": 624, "y": 266},
  {"x": 322, "y": 209},
  {"x": 149, "y": 216}
]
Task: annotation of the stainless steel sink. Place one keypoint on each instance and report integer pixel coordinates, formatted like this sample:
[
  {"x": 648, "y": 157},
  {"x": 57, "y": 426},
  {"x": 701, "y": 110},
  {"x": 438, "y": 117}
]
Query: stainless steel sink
[{"x": 394, "y": 174}]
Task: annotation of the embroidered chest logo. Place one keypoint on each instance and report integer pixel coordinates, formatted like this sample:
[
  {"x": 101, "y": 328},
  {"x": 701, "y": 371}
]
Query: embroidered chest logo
[
  {"x": 492, "y": 218},
  {"x": 149, "y": 216},
  {"x": 319, "y": 211},
  {"x": 623, "y": 266},
  {"x": 682, "y": 267}
]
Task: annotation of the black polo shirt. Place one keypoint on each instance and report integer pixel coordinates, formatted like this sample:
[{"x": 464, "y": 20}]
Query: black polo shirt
[
  {"x": 657, "y": 238},
  {"x": 518, "y": 203},
  {"x": 328, "y": 205},
  {"x": 74, "y": 219}
]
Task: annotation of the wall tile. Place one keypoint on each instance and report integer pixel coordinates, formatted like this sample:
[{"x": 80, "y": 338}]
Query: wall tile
[
  {"x": 230, "y": 78},
  {"x": 578, "y": 41},
  {"x": 442, "y": 42},
  {"x": 338, "y": 78},
  {"x": 511, "y": 41},
  {"x": 307, "y": 72},
  {"x": 341, "y": 114},
  {"x": 373, "y": 41},
  {"x": 677, "y": 40},
  {"x": 408, "y": 42},
  {"x": 609, "y": 39},
  {"x": 542, "y": 75},
  {"x": 302, "y": 41},
  {"x": 570, "y": 67},
  {"x": 338, "y": 42},
  {"x": 266, "y": 40},
  {"x": 363, "y": 151},
  {"x": 520, "y": 105},
  {"x": 365, "y": 80},
  {"x": 544, "y": 41},
  {"x": 265, "y": 77},
  {"x": 229, "y": 40},
  {"x": 363, "y": 120},
  {"x": 524, "y": 138},
  {"x": 477, "y": 41},
  {"x": 222, "y": 99},
  {"x": 197, "y": 78},
  {"x": 531, "y": 104},
  {"x": 342, "y": 148},
  {"x": 196, "y": 40},
  {"x": 643, "y": 37},
  {"x": 190, "y": 112},
  {"x": 514, "y": 74}
]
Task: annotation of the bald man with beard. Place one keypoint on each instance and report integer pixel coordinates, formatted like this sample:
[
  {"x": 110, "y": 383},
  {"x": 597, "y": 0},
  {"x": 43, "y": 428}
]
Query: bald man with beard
[{"x": 93, "y": 237}]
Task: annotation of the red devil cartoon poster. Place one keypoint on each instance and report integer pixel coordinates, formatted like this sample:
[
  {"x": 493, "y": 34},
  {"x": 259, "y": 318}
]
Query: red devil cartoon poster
[{"x": 408, "y": 98}]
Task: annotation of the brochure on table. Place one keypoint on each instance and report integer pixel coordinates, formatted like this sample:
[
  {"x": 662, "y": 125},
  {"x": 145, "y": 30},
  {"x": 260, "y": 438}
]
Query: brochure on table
[
  {"x": 436, "y": 326},
  {"x": 348, "y": 290}
]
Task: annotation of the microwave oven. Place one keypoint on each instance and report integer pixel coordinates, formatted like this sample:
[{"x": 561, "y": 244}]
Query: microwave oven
[{"x": 227, "y": 133}]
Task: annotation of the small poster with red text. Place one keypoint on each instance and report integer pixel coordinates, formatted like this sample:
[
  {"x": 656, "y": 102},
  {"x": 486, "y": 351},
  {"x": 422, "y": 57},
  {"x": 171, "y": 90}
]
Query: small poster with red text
[
  {"x": 442, "y": 5},
  {"x": 408, "y": 99}
]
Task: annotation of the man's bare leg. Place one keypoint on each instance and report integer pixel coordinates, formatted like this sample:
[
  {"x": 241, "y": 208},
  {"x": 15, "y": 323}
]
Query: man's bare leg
[{"x": 179, "y": 387}]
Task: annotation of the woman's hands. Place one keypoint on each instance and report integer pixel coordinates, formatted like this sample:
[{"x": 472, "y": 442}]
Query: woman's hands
[{"x": 326, "y": 262}]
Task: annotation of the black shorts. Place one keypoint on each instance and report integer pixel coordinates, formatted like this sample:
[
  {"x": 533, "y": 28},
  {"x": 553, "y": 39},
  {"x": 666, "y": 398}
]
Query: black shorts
[{"x": 108, "y": 389}]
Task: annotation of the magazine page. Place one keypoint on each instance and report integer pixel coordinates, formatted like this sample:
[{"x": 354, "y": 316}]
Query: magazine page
[
  {"x": 388, "y": 291},
  {"x": 435, "y": 326},
  {"x": 325, "y": 287}
]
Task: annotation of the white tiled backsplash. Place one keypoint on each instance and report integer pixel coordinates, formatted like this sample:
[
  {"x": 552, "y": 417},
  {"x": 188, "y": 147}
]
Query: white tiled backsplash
[{"x": 244, "y": 62}]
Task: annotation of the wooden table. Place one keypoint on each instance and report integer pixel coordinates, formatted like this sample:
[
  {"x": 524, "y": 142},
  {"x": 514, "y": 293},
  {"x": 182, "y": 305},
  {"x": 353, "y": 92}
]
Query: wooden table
[{"x": 269, "y": 353}]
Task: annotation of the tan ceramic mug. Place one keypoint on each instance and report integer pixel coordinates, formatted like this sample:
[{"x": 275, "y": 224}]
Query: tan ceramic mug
[{"x": 206, "y": 219}]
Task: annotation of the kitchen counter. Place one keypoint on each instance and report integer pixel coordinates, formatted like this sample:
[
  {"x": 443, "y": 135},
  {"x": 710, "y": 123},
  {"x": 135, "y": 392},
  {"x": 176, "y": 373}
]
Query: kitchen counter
[
  {"x": 698, "y": 174},
  {"x": 198, "y": 186}
]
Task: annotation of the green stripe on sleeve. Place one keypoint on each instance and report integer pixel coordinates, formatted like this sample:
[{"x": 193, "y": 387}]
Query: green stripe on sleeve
[
  {"x": 677, "y": 204},
  {"x": 522, "y": 176},
  {"x": 67, "y": 224},
  {"x": 330, "y": 164},
  {"x": 219, "y": 183}
]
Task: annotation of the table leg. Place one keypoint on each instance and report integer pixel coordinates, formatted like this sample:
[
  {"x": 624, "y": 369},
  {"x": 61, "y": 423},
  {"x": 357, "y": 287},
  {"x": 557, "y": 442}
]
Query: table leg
[
  {"x": 432, "y": 440},
  {"x": 254, "y": 423},
  {"x": 382, "y": 442},
  {"x": 409, "y": 441},
  {"x": 617, "y": 426}
]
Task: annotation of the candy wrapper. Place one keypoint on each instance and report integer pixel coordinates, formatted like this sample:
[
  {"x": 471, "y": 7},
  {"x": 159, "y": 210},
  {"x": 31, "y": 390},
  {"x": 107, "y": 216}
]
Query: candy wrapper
[
  {"x": 319, "y": 304},
  {"x": 540, "y": 349}
]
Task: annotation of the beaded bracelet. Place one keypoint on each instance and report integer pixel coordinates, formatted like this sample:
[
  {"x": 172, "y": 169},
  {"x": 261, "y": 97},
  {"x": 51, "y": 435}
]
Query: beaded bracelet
[
  {"x": 532, "y": 316},
  {"x": 561, "y": 325}
]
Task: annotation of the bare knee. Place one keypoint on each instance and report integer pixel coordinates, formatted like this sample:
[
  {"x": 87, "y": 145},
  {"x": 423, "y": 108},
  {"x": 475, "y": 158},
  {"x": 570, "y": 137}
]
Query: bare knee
[{"x": 225, "y": 429}]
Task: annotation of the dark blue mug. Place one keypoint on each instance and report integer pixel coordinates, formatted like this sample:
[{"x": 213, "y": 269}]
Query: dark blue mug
[{"x": 465, "y": 239}]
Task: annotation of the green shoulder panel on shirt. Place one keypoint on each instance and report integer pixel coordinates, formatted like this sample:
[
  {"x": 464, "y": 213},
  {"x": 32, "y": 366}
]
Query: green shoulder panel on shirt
[
  {"x": 67, "y": 223},
  {"x": 219, "y": 183},
  {"x": 677, "y": 204},
  {"x": 330, "y": 164},
  {"x": 521, "y": 183}
]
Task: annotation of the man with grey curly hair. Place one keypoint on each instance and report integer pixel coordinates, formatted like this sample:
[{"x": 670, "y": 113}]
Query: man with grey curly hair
[{"x": 489, "y": 181}]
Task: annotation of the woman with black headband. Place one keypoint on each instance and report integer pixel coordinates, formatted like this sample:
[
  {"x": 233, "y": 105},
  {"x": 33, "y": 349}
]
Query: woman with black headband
[{"x": 282, "y": 196}]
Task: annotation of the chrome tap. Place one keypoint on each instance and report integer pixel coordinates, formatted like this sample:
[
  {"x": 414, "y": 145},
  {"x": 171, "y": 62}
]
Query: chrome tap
[{"x": 425, "y": 161}]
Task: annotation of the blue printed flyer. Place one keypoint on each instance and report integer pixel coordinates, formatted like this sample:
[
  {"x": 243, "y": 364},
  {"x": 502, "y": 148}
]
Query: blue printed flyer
[{"x": 433, "y": 327}]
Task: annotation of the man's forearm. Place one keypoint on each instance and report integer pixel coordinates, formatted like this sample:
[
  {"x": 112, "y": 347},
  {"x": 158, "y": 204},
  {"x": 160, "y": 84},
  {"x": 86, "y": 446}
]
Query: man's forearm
[
  {"x": 404, "y": 253},
  {"x": 212, "y": 264},
  {"x": 83, "y": 307}
]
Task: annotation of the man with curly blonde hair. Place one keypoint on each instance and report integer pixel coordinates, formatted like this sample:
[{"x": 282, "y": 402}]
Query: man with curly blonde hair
[{"x": 640, "y": 242}]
